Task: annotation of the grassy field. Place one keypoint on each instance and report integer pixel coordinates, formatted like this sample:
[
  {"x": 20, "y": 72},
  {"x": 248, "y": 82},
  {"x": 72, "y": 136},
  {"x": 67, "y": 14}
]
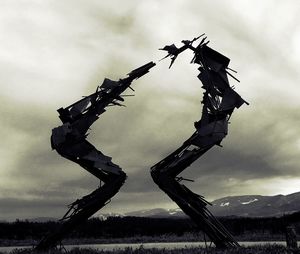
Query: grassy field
[
  {"x": 186, "y": 237},
  {"x": 260, "y": 249}
]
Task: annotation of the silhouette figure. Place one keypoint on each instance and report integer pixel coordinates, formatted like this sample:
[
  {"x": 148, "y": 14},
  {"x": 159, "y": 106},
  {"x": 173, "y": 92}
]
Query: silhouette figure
[
  {"x": 69, "y": 140},
  {"x": 219, "y": 101}
]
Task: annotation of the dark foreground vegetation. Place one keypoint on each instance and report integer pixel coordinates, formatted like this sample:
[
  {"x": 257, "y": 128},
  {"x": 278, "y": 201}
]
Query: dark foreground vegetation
[
  {"x": 266, "y": 249},
  {"x": 136, "y": 229}
]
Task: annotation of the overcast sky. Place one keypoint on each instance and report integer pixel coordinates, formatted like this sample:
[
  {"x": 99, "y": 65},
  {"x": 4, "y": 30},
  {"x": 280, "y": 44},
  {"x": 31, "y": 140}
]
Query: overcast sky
[{"x": 54, "y": 52}]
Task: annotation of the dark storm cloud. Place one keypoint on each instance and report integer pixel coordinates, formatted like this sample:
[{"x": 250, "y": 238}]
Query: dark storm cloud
[
  {"x": 88, "y": 42},
  {"x": 249, "y": 153},
  {"x": 265, "y": 149},
  {"x": 19, "y": 208},
  {"x": 34, "y": 127},
  {"x": 262, "y": 150}
]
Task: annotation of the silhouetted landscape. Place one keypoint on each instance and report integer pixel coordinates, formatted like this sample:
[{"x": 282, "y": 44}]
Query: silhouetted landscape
[{"x": 142, "y": 229}]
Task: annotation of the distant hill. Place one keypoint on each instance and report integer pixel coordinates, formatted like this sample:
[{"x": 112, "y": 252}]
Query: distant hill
[
  {"x": 243, "y": 206},
  {"x": 256, "y": 205},
  {"x": 157, "y": 213}
]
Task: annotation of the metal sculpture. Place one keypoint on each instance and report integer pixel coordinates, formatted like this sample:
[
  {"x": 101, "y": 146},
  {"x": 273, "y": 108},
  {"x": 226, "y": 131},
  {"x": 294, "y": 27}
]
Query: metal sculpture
[
  {"x": 69, "y": 140},
  {"x": 219, "y": 101}
]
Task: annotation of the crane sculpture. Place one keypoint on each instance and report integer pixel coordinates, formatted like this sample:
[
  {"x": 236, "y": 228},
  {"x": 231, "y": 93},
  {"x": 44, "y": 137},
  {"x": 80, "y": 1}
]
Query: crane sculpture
[
  {"x": 219, "y": 101},
  {"x": 69, "y": 140}
]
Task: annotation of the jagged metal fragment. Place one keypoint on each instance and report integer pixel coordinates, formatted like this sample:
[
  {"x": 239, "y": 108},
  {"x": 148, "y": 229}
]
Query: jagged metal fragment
[{"x": 219, "y": 101}]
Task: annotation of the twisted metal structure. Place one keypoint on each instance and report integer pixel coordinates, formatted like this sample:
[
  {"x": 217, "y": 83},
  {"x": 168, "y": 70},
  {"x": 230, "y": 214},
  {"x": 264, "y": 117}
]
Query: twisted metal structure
[
  {"x": 69, "y": 140},
  {"x": 219, "y": 102}
]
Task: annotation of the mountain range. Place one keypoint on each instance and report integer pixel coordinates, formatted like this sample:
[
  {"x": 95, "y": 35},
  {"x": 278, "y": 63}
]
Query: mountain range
[{"x": 242, "y": 206}]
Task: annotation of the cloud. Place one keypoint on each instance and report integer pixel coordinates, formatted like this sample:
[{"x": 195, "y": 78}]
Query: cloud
[{"x": 53, "y": 54}]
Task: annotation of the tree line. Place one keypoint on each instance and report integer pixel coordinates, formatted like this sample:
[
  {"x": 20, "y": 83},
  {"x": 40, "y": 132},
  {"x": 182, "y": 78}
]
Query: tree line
[{"x": 118, "y": 227}]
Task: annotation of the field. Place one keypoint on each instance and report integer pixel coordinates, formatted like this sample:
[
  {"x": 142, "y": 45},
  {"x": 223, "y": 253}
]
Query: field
[
  {"x": 115, "y": 230},
  {"x": 262, "y": 249}
]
